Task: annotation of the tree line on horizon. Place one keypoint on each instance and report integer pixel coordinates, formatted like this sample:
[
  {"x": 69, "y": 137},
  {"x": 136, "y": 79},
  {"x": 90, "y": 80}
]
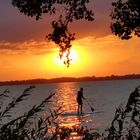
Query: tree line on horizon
[{"x": 70, "y": 79}]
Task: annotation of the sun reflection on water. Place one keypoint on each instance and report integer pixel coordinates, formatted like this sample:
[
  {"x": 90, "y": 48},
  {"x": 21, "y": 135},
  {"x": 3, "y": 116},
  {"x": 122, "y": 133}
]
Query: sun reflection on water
[{"x": 66, "y": 98}]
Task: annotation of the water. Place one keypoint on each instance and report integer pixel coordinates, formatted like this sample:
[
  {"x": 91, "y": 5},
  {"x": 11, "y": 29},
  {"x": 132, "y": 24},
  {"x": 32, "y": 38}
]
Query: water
[{"x": 104, "y": 96}]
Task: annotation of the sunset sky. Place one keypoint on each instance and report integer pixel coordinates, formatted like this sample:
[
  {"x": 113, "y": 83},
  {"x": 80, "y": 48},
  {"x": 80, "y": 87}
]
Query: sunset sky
[{"x": 25, "y": 54}]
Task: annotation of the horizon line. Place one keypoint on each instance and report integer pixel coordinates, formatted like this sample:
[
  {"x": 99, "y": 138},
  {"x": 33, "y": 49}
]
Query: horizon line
[{"x": 63, "y": 77}]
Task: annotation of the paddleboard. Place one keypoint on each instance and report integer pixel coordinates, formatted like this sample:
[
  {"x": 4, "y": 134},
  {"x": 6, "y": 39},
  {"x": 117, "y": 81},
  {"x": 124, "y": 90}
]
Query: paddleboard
[{"x": 77, "y": 114}]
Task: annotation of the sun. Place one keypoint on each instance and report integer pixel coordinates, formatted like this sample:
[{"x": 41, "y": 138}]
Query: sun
[
  {"x": 55, "y": 67},
  {"x": 72, "y": 57}
]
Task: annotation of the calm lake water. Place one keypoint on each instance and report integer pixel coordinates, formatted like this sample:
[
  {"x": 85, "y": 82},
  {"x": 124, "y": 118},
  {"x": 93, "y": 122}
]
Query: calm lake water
[{"x": 104, "y": 96}]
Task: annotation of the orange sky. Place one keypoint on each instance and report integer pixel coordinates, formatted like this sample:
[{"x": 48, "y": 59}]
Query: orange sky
[
  {"x": 101, "y": 56},
  {"x": 25, "y": 54}
]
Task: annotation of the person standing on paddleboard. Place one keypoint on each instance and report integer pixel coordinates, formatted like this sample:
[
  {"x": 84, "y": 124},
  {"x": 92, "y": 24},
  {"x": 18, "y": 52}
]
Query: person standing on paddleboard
[{"x": 79, "y": 100}]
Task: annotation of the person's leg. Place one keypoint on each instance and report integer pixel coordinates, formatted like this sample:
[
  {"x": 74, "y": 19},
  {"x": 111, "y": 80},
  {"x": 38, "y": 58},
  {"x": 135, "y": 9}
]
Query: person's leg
[
  {"x": 78, "y": 109},
  {"x": 81, "y": 109}
]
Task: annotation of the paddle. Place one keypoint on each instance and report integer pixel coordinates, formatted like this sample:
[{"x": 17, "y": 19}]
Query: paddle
[{"x": 92, "y": 109}]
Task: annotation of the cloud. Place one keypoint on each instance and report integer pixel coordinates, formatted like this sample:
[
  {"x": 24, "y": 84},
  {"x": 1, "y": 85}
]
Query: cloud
[
  {"x": 26, "y": 47},
  {"x": 108, "y": 42},
  {"x": 15, "y": 26},
  {"x": 109, "y": 46}
]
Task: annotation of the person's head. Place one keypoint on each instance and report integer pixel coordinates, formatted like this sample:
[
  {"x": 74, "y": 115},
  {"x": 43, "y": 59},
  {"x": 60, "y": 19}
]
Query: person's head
[
  {"x": 81, "y": 89},
  {"x": 136, "y": 89}
]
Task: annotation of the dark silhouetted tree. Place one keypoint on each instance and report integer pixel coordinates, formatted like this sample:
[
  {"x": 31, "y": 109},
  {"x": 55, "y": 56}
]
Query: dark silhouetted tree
[
  {"x": 72, "y": 10},
  {"x": 126, "y": 16}
]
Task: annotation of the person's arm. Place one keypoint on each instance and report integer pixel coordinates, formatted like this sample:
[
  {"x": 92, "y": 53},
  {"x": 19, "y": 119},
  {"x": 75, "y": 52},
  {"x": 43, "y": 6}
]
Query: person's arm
[{"x": 83, "y": 96}]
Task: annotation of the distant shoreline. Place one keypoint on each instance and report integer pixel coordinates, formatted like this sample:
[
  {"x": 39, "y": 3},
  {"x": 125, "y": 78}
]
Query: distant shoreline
[{"x": 70, "y": 79}]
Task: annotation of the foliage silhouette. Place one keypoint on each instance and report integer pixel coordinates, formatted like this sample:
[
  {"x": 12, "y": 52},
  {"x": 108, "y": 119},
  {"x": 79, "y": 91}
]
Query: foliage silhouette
[
  {"x": 72, "y": 10},
  {"x": 26, "y": 126},
  {"x": 37, "y": 8},
  {"x": 62, "y": 37},
  {"x": 125, "y": 125},
  {"x": 126, "y": 16}
]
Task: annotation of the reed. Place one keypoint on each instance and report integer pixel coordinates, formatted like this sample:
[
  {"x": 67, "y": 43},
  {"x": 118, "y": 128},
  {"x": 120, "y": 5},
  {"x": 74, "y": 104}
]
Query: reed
[
  {"x": 124, "y": 126},
  {"x": 24, "y": 127}
]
